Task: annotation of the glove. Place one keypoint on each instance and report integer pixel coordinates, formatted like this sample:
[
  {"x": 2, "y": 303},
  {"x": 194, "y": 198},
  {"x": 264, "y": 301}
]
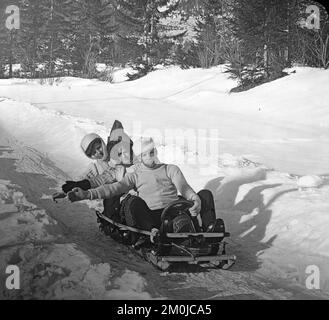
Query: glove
[
  {"x": 154, "y": 234},
  {"x": 195, "y": 210},
  {"x": 70, "y": 185},
  {"x": 78, "y": 194},
  {"x": 58, "y": 195}
]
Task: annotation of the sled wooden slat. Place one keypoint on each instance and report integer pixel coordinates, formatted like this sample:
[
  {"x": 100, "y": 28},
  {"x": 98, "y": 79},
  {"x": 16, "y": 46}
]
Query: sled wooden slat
[
  {"x": 122, "y": 226},
  {"x": 201, "y": 234},
  {"x": 197, "y": 259}
]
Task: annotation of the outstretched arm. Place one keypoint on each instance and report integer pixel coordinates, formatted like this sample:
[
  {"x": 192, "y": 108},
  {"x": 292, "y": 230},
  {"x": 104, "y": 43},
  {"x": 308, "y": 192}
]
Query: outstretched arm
[
  {"x": 178, "y": 179},
  {"x": 104, "y": 192},
  {"x": 109, "y": 176}
]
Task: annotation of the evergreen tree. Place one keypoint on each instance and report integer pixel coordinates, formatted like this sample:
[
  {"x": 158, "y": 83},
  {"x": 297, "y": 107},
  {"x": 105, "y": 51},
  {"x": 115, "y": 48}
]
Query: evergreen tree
[
  {"x": 129, "y": 15},
  {"x": 261, "y": 28},
  {"x": 54, "y": 53},
  {"x": 31, "y": 36},
  {"x": 191, "y": 7},
  {"x": 92, "y": 26},
  {"x": 8, "y": 39},
  {"x": 5, "y": 45},
  {"x": 64, "y": 36},
  {"x": 308, "y": 45},
  {"x": 150, "y": 34},
  {"x": 209, "y": 30}
]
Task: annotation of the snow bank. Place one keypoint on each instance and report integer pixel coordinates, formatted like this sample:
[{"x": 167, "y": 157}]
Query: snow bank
[
  {"x": 276, "y": 223},
  {"x": 129, "y": 286},
  {"x": 309, "y": 182},
  {"x": 50, "y": 267},
  {"x": 57, "y": 134},
  {"x": 21, "y": 221},
  {"x": 283, "y": 124},
  {"x": 62, "y": 272}
]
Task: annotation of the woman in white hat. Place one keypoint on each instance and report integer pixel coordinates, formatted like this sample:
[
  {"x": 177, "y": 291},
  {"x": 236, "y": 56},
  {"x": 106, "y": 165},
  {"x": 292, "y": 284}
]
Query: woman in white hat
[
  {"x": 110, "y": 164},
  {"x": 93, "y": 146},
  {"x": 109, "y": 161}
]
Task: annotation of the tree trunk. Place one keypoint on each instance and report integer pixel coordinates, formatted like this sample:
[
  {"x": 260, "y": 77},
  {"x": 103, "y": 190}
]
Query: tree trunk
[
  {"x": 11, "y": 56},
  {"x": 51, "y": 62},
  {"x": 266, "y": 58},
  {"x": 291, "y": 10}
]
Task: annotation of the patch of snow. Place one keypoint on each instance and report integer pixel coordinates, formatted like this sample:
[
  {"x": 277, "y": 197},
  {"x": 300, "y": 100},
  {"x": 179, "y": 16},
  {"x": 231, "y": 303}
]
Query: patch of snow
[
  {"x": 130, "y": 286},
  {"x": 311, "y": 181}
]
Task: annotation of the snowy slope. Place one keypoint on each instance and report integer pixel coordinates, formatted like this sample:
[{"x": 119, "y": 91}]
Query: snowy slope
[
  {"x": 51, "y": 266},
  {"x": 54, "y": 267},
  {"x": 53, "y": 132},
  {"x": 281, "y": 126}
]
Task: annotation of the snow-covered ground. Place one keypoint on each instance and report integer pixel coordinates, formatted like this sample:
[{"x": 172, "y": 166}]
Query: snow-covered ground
[
  {"x": 50, "y": 266},
  {"x": 249, "y": 148},
  {"x": 283, "y": 124}
]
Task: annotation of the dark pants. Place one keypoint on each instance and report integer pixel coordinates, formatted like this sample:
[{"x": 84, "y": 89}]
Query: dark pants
[
  {"x": 112, "y": 208},
  {"x": 138, "y": 214}
]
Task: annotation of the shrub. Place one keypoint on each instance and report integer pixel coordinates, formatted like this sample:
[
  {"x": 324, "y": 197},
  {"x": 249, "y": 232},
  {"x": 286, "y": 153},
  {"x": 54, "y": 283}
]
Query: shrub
[
  {"x": 140, "y": 69},
  {"x": 186, "y": 56},
  {"x": 107, "y": 75}
]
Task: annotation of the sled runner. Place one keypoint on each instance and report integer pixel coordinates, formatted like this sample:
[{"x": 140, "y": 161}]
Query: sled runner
[{"x": 170, "y": 246}]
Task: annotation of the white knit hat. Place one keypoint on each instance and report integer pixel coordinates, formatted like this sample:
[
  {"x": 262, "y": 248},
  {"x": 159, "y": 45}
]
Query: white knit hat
[
  {"x": 142, "y": 145},
  {"x": 88, "y": 139}
]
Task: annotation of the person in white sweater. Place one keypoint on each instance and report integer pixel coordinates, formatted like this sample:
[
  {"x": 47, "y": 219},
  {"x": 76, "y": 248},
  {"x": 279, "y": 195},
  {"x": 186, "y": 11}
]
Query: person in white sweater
[{"x": 157, "y": 185}]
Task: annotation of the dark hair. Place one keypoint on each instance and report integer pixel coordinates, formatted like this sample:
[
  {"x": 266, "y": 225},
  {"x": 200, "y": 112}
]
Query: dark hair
[{"x": 90, "y": 147}]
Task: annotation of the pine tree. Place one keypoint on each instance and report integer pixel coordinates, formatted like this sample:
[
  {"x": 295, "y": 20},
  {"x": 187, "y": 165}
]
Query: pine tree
[
  {"x": 31, "y": 37},
  {"x": 261, "y": 29},
  {"x": 7, "y": 41},
  {"x": 54, "y": 52},
  {"x": 308, "y": 45},
  {"x": 4, "y": 40},
  {"x": 150, "y": 35},
  {"x": 209, "y": 30},
  {"x": 59, "y": 37},
  {"x": 40, "y": 43},
  {"x": 192, "y": 6},
  {"x": 129, "y": 15},
  {"x": 91, "y": 29}
]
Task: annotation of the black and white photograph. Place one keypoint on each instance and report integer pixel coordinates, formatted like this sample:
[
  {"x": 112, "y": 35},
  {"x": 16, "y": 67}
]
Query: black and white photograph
[{"x": 165, "y": 151}]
